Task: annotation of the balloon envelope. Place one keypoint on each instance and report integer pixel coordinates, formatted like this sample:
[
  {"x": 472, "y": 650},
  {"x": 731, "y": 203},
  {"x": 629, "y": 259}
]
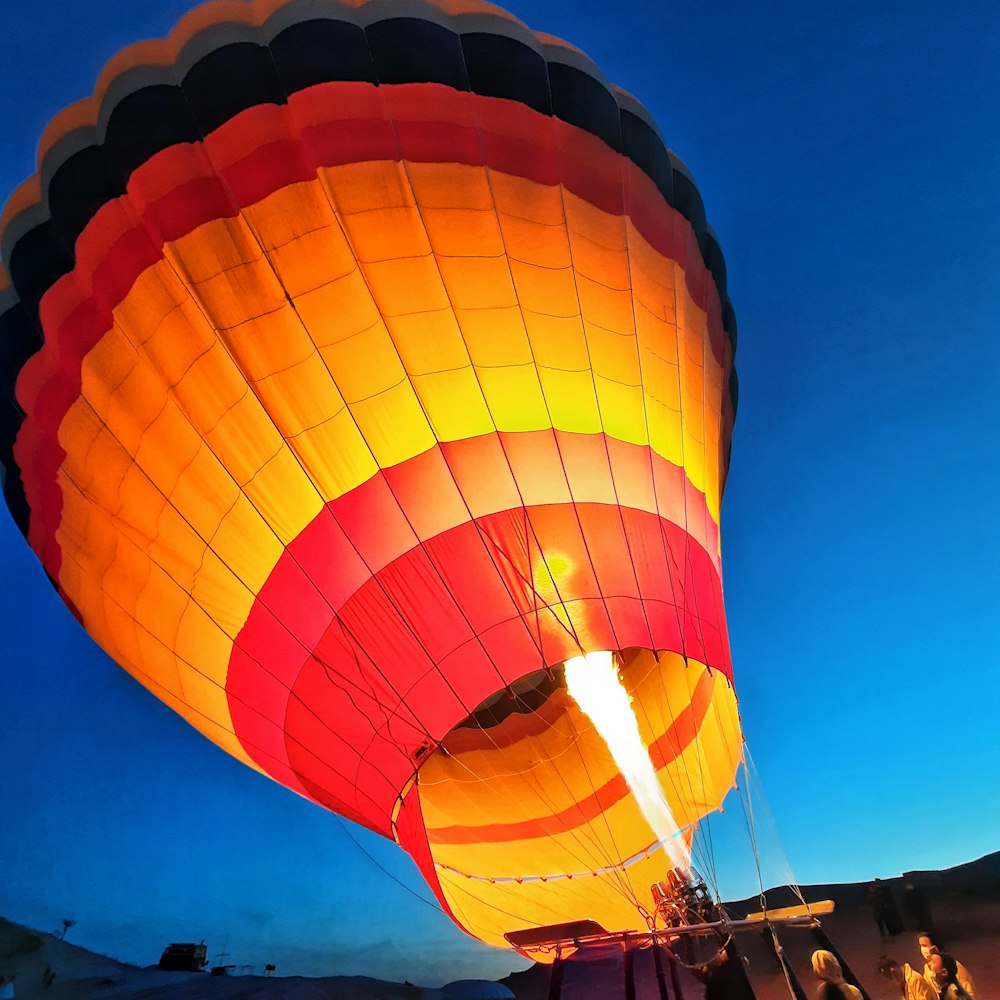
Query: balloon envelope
[{"x": 365, "y": 362}]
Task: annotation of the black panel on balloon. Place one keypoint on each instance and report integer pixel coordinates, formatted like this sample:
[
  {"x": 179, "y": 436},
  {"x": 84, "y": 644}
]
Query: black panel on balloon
[
  {"x": 321, "y": 51},
  {"x": 19, "y": 339},
  {"x": 228, "y": 81},
  {"x": 579, "y": 99},
  {"x": 645, "y": 149},
  {"x": 504, "y": 67},
  {"x": 78, "y": 189},
  {"x": 729, "y": 322},
  {"x": 716, "y": 263},
  {"x": 411, "y": 50},
  {"x": 146, "y": 122},
  {"x": 688, "y": 202},
  {"x": 13, "y": 491},
  {"x": 39, "y": 258}
]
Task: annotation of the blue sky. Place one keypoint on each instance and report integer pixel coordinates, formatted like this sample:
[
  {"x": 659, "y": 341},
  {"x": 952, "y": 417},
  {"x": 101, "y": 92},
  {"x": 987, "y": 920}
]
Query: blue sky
[{"x": 849, "y": 159}]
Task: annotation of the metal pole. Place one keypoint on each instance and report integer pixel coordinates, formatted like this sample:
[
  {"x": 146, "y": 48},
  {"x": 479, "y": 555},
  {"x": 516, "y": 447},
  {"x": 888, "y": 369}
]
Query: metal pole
[
  {"x": 555, "y": 980},
  {"x": 675, "y": 978},
  {"x": 629, "y": 975},
  {"x": 661, "y": 975},
  {"x": 824, "y": 942}
]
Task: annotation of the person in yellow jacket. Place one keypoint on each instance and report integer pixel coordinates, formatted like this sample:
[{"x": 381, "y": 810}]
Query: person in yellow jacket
[
  {"x": 953, "y": 969},
  {"x": 911, "y": 985},
  {"x": 943, "y": 977}
]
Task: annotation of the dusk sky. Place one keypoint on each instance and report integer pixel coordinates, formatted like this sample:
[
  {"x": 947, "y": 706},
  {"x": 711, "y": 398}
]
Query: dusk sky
[{"x": 849, "y": 160}]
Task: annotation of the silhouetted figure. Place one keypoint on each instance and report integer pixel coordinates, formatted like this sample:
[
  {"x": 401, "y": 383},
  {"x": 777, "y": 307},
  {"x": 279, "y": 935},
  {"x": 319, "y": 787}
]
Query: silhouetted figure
[
  {"x": 909, "y": 982},
  {"x": 725, "y": 978},
  {"x": 832, "y": 985},
  {"x": 887, "y": 917},
  {"x": 917, "y": 907}
]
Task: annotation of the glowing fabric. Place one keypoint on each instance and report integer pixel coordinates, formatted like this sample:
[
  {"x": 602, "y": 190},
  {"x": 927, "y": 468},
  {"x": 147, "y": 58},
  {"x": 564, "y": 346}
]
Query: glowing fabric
[{"x": 368, "y": 359}]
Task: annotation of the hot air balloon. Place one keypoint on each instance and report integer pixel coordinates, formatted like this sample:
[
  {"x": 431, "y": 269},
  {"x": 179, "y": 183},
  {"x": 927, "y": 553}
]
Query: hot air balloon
[{"x": 365, "y": 363}]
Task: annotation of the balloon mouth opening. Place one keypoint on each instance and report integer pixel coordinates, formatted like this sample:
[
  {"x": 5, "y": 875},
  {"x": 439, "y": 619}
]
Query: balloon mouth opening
[
  {"x": 523, "y": 802},
  {"x": 524, "y": 697}
]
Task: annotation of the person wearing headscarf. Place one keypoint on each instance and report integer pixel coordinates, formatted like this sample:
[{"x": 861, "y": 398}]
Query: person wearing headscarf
[{"x": 832, "y": 985}]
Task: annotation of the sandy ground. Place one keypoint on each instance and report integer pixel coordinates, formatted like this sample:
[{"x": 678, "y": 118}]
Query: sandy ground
[{"x": 966, "y": 910}]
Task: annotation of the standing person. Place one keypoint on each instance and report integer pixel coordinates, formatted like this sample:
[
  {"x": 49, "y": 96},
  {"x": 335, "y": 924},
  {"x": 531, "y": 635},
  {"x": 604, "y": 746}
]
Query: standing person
[
  {"x": 917, "y": 907},
  {"x": 912, "y": 985},
  {"x": 887, "y": 917},
  {"x": 831, "y": 978},
  {"x": 952, "y": 967}
]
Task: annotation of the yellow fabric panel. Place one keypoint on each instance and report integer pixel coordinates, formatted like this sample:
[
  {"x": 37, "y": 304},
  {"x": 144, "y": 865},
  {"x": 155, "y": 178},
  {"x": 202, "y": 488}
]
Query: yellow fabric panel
[
  {"x": 454, "y": 404},
  {"x": 611, "y": 838},
  {"x": 336, "y": 455},
  {"x": 573, "y": 400},
  {"x": 613, "y": 353},
  {"x": 514, "y": 396},
  {"x": 605, "y": 308},
  {"x": 428, "y": 341},
  {"x": 557, "y": 341},
  {"x": 364, "y": 364},
  {"x": 622, "y": 413},
  {"x": 393, "y": 424},
  {"x": 300, "y": 396},
  {"x": 660, "y": 374},
  {"x": 495, "y": 336},
  {"x": 489, "y": 910}
]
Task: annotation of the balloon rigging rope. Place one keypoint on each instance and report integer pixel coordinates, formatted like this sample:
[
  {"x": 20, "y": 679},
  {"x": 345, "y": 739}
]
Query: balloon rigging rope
[
  {"x": 752, "y": 833},
  {"x": 753, "y": 779},
  {"x": 434, "y": 905}
]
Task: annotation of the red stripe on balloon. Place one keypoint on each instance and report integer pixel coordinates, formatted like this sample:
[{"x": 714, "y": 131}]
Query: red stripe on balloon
[
  {"x": 667, "y": 748},
  {"x": 435, "y": 631}
]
